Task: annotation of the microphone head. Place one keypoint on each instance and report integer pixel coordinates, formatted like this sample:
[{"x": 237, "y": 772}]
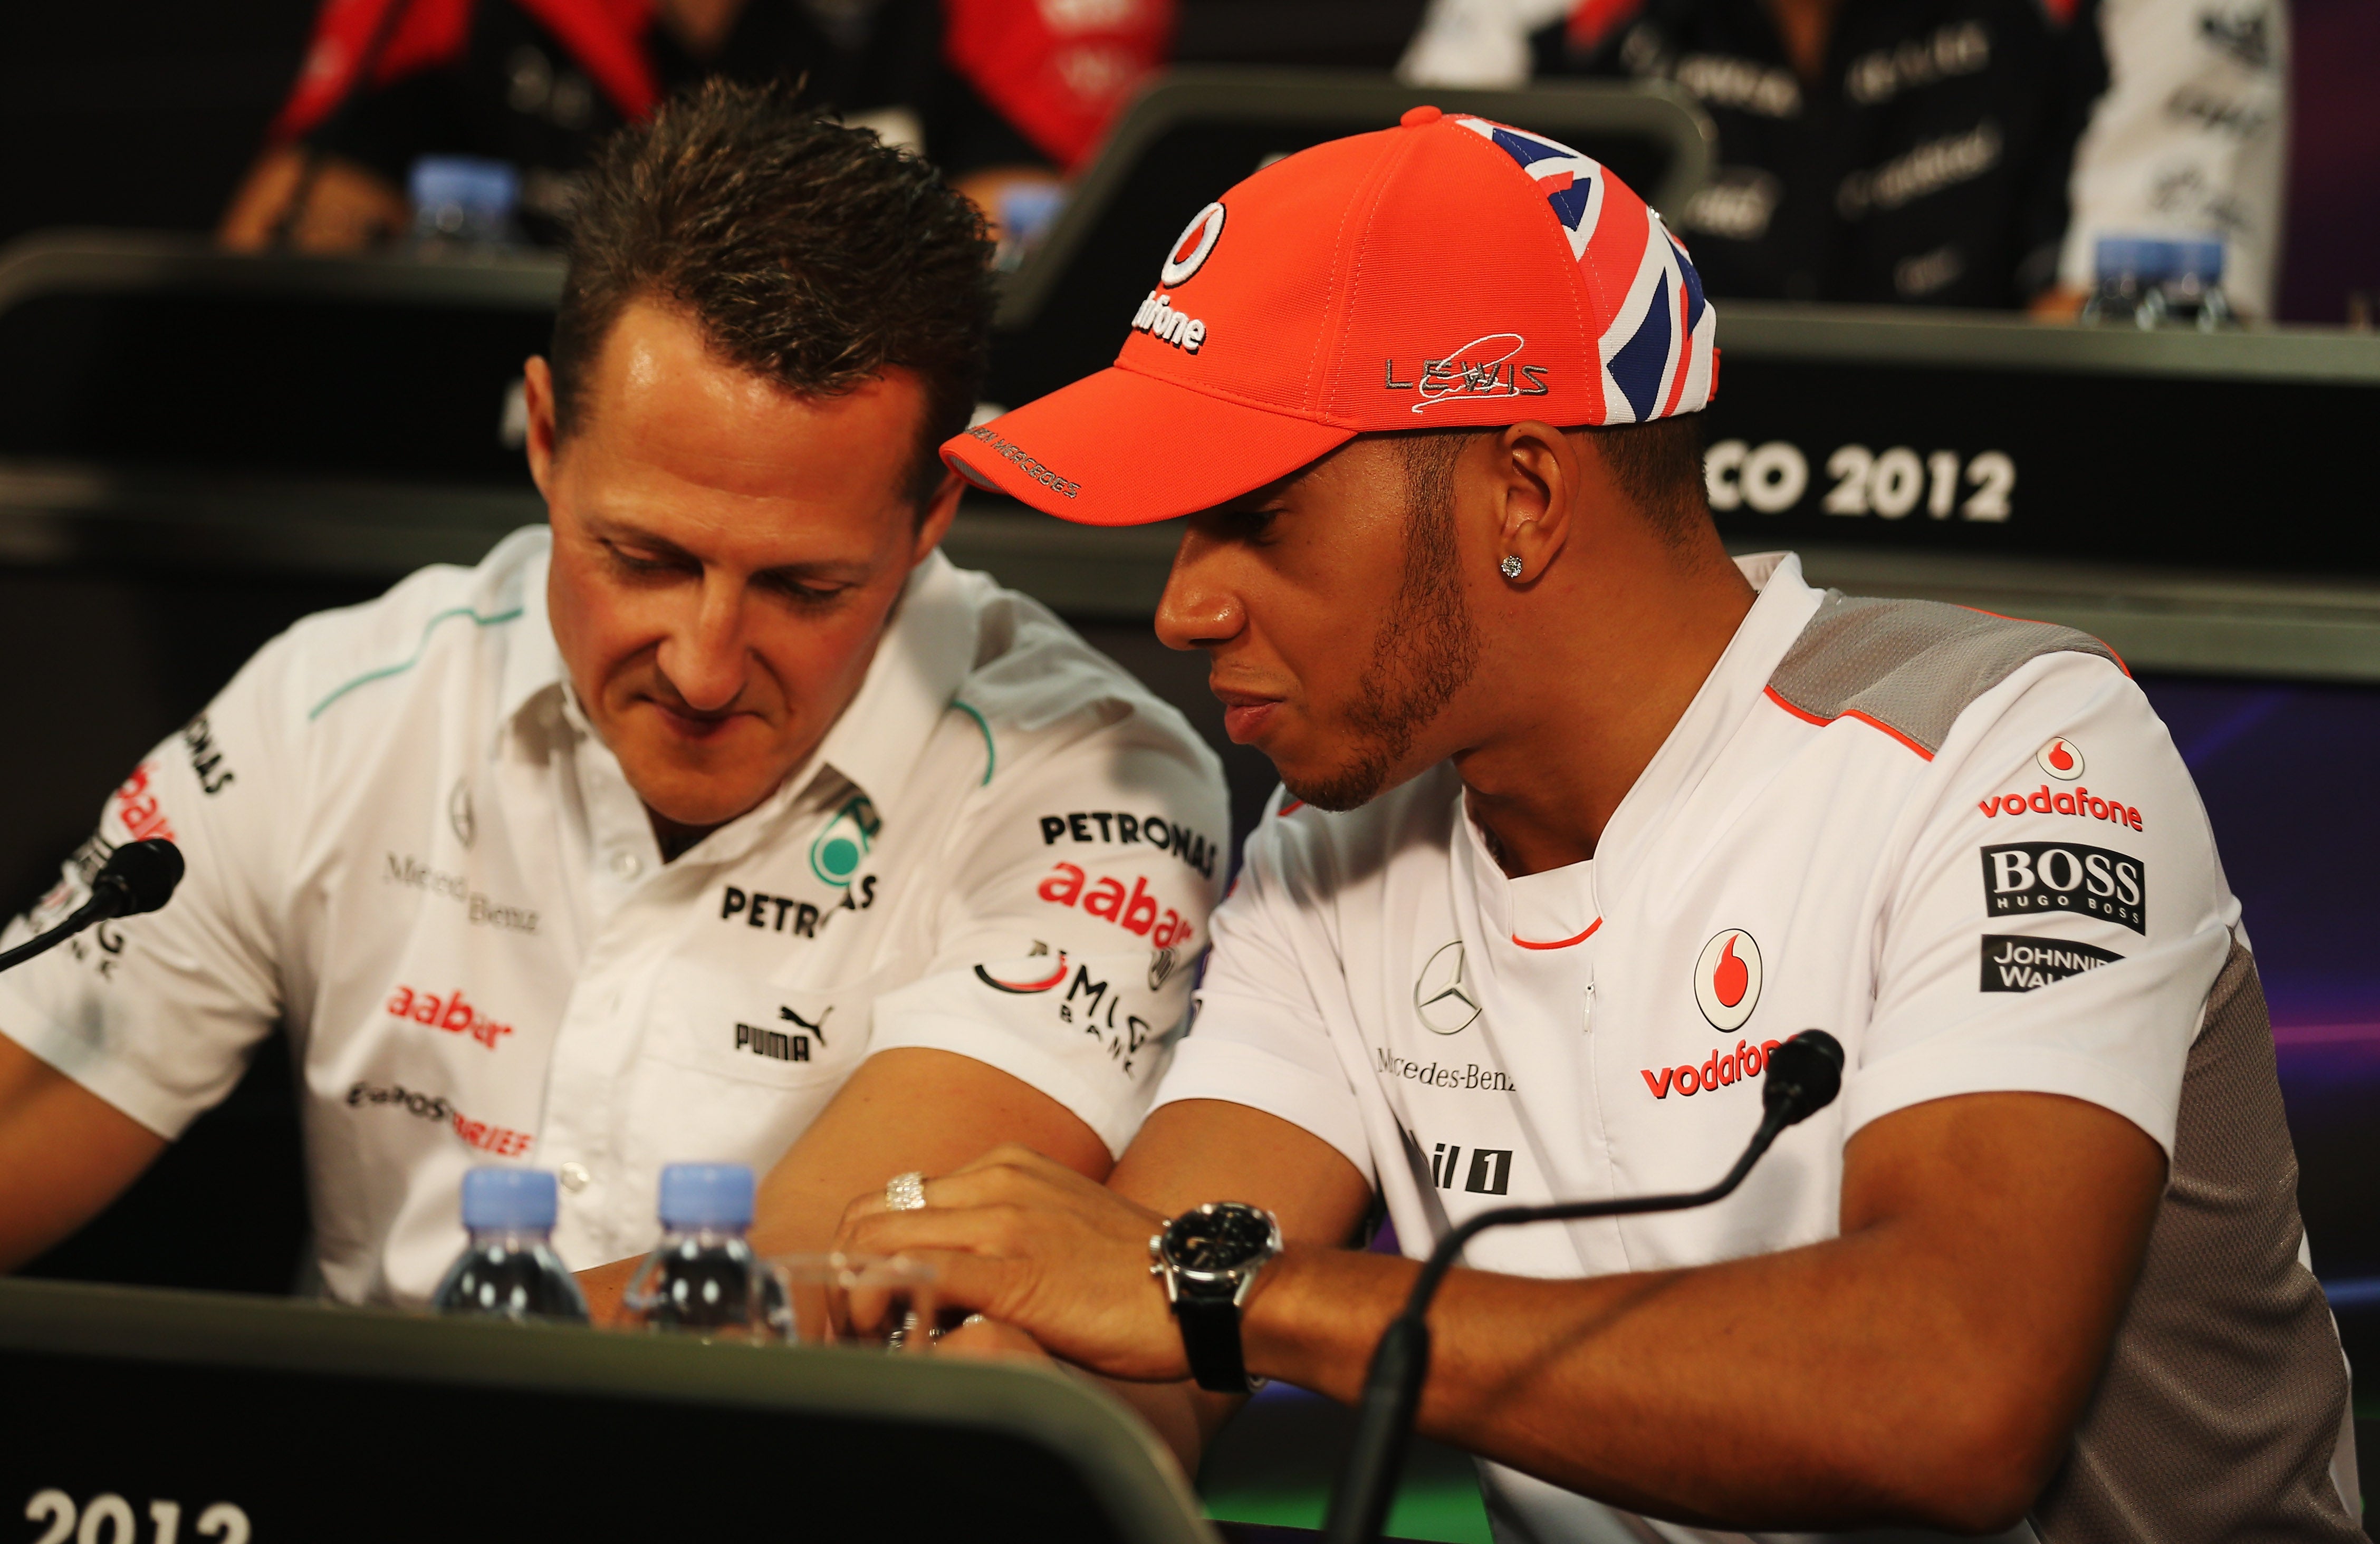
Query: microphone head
[
  {"x": 139, "y": 877},
  {"x": 1804, "y": 1074}
]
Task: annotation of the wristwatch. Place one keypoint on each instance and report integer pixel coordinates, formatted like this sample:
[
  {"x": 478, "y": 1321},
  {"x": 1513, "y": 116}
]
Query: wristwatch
[{"x": 1208, "y": 1258}]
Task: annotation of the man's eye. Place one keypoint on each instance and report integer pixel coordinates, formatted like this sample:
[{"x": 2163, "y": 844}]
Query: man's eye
[
  {"x": 639, "y": 562},
  {"x": 801, "y": 594}
]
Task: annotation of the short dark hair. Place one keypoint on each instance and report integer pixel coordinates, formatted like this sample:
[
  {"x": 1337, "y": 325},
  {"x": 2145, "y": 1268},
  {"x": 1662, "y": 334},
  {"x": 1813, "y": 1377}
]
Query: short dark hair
[
  {"x": 812, "y": 255},
  {"x": 1658, "y": 466}
]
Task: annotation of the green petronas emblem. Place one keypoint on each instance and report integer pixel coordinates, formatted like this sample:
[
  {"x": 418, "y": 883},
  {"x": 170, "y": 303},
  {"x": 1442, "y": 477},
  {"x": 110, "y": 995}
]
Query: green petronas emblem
[{"x": 836, "y": 855}]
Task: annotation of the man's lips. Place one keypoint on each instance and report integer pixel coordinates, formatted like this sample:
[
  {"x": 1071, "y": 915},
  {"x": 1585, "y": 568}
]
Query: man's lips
[
  {"x": 1246, "y": 714},
  {"x": 694, "y": 726}
]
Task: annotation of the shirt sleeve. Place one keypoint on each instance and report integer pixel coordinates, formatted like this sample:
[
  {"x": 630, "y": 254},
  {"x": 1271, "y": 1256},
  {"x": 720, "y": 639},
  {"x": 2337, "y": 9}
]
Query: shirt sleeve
[
  {"x": 157, "y": 1014},
  {"x": 2062, "y": 913},
  {"x": 1080, "y": 906},
  {"x": 1260, "y": 1034}
]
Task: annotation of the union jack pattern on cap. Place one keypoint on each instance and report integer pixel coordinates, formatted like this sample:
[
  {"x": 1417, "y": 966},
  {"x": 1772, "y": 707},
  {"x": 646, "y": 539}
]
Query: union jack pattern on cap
[
  {"x": 1656, "y": 353},
  {"x": 1450, "y": 272}
]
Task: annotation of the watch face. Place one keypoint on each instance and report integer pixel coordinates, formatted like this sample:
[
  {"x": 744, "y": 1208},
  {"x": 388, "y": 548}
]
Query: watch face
[{"x": 1219, "y": 1237}]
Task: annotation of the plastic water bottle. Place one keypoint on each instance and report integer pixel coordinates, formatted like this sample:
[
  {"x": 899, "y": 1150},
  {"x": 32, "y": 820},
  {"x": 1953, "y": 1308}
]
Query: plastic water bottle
[
  {"x": 2192, "y": 286},
  {"x": 704, "y": 1279},
  {"x": 509, "y": 1268},
  {"x": 2131, "y": 272},
  {"x": 461, "y": 202}
]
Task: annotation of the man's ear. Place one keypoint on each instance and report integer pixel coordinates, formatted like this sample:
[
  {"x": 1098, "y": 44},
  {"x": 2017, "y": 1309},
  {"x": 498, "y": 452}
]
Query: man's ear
[
  {"x": 1535, "y": 477},
  {"x": 536, "y": 384},
  {"x": 940, "y": 512}
]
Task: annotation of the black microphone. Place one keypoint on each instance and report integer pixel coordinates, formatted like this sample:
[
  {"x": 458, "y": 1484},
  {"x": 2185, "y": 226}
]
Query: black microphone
[
  {"x": 1802, "y": 1078},
  {"x": 139, "y": 877}
]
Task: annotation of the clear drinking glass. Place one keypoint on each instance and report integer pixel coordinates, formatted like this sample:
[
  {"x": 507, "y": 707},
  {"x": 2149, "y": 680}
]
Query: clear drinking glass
[{"x": 864, "y": 1301}]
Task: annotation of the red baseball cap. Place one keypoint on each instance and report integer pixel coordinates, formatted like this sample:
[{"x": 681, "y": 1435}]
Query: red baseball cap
[{"x": 1448, "y": 272}]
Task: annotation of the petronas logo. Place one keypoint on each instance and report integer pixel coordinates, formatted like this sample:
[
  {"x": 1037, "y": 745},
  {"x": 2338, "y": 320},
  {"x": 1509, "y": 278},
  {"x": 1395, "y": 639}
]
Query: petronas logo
[{"x": 839, "y": 850}]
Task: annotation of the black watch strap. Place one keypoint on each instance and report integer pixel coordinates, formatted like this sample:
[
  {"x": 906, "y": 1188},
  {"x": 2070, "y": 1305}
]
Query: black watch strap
[{"x": 1210, "y": 1339}]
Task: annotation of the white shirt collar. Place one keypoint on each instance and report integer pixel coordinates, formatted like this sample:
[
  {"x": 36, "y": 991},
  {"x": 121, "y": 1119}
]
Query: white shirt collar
[{"x": 1559, "y": 904}]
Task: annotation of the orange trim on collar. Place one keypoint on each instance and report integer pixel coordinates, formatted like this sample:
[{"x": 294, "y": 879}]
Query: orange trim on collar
[{"x": 1561, "y": 944}]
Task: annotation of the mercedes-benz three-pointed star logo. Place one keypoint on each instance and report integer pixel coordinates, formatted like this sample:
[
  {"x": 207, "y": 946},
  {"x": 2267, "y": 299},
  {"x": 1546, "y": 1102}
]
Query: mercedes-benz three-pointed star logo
[{"x": 1442, "y": 999}]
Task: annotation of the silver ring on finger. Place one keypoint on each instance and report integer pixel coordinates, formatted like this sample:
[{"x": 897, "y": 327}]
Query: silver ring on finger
[{"x": 905, "y": 1192}]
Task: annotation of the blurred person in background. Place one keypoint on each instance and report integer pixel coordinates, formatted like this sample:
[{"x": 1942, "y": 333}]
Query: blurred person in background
[
  {"x": 1004, "y": 95},
  {"x": 1937, "y": 152}
]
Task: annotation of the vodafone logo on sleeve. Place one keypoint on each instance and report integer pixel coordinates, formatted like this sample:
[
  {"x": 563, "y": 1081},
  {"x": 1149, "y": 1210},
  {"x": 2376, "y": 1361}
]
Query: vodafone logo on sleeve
[
  {"x": 1727, "y": 980},
  {"x": 2062, "y": 759}
]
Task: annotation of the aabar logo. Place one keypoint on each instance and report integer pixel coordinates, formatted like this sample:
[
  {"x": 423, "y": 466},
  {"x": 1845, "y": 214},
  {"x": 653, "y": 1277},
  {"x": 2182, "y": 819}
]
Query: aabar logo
[
  {"x": 453, "y": 1013},
  {"x": 2062, "y": 759},
  {"x": 1134, "y": 911},
  {"x": 1442, "y": 999},
  {"x": 1727, "y": 980},
  {"x": 1193, "y": 247}
]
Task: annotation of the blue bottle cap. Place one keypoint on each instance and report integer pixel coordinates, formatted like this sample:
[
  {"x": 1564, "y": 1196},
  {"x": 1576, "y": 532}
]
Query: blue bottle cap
[
  {"x": 2134, "y": 257},
  {"x": 2199, "y": 258},
  {"x": 486, "y": 190},
  {"x": 496, "y": 1197},
  {"x": 706, "y": 1195}
]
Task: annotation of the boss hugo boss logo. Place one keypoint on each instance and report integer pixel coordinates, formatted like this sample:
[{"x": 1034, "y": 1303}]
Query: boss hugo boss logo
[
  {"x": 1491, "y": 1173},
  {"x": 1443, "y": 997},
  {"x": 1727, "y": 980},
  {"x": 2027, "y": 877},
  {"x": 2023, "y": 964}
]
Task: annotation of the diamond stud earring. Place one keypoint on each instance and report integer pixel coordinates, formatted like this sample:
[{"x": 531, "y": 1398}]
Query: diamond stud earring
[{"x": 1512, "y": 566}]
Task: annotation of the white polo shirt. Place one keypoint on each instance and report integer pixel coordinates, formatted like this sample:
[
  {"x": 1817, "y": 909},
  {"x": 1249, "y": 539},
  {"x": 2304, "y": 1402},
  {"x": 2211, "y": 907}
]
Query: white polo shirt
[
  {"x": 1962, "y": 845},
  {"x": 404, "y": 843}
]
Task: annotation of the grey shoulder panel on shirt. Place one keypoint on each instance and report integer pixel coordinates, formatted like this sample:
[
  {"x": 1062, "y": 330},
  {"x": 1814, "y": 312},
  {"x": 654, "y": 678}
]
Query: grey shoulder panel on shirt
[{"x": 1912, "y": 666}]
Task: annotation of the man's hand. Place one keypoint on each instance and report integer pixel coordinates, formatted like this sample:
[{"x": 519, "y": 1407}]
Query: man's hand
[{"x": 1030, "y": 1243}]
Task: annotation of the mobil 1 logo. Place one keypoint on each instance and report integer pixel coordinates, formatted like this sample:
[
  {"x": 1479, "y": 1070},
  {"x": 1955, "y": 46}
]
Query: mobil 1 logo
[{"x": 2027, "y": 878}]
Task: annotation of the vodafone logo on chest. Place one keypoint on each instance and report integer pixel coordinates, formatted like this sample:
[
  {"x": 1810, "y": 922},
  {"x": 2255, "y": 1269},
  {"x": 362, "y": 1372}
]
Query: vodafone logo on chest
[{"x": 1727, "y": 980}]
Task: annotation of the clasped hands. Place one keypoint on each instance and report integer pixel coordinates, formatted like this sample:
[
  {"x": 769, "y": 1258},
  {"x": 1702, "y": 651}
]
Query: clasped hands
[{"x": 1039, "y": 1251}]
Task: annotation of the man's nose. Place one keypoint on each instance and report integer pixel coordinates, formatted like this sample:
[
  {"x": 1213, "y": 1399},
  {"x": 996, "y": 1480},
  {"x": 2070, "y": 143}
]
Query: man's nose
[
  {"x": 704, "y": 655},
  {"x": 1198, "y": 609}
]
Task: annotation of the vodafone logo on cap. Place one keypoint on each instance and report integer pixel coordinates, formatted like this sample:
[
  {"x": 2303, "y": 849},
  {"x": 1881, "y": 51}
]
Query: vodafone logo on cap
[
  {"x": 1727, "y": 980},
  {"x": 2062, "y": 759},
  {"x": 1194, "y": 247}
]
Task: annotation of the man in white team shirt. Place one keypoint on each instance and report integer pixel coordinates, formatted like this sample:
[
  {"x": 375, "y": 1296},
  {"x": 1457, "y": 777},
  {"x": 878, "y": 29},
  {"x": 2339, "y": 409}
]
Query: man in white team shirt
[
  {"x": 1581, "y": 819},
  {"x": 727, "y": 821}
]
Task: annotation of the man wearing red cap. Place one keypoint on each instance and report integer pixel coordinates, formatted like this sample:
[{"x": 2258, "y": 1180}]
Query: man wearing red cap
[{"x": 1581, "y": 819}]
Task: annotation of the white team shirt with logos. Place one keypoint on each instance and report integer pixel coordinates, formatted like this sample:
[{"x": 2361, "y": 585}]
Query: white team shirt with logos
[
  {"x": 406, "y": 844},
  {"x": 2036, "y": 906}
]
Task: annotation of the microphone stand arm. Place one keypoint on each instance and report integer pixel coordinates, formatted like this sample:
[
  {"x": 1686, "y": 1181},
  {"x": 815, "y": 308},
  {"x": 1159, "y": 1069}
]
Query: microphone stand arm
[
  {"x": 98, "y": 908},
  {"x": 1384, "y": 1418}
]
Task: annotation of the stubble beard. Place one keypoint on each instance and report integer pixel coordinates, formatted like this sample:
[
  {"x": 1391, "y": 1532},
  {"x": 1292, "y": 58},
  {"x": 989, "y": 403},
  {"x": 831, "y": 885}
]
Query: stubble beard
[{"x": 1425, "y": 651}]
